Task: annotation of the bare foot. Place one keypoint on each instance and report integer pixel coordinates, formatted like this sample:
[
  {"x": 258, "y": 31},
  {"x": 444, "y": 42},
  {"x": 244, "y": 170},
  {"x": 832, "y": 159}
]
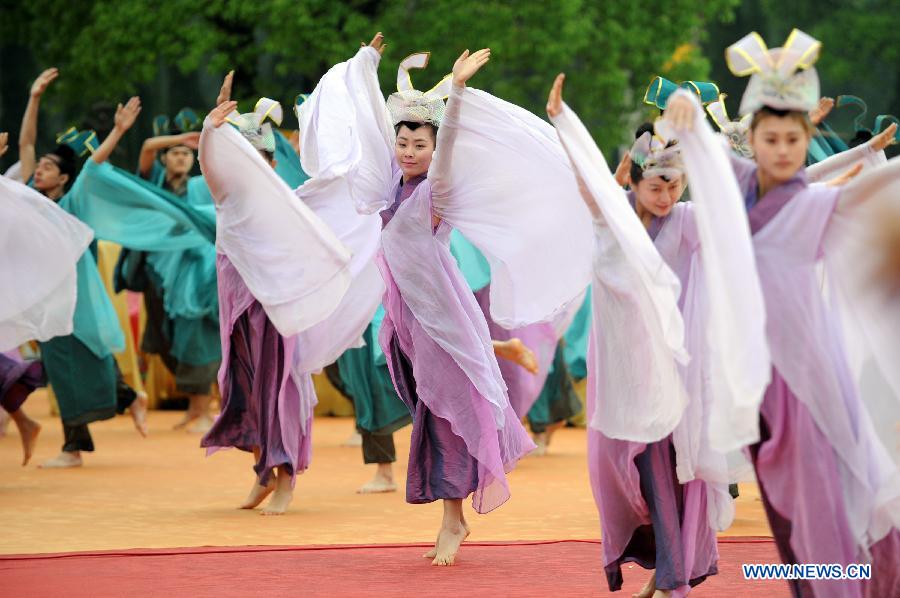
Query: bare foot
[
  {"x": 353, "y": 440},
  {"x": 282, "y": 496},
  {"x": 63, "y": 460},
  {"x": 541, "y": 441},
  {"x": 448, "y": 543},
  {"x": 201, "y": 425},
  {"x": 258, "y": 494},
  {"x": 382, "y": 482},
  {"x": 649, "y": 589},
  {"x": 189, "y": 416},
  {"x": 433, "y": 552},
  {"x": 138, "y": 411},
  {"x": 28, "y": 431},
  {"x": 515, "y": 350}
]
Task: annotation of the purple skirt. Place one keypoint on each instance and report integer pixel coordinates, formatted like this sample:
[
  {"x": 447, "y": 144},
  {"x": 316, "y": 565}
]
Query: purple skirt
[
  {"x": 260, "y": 401},
  {"x": 18, "y": 379},
  {"x": 440, "y": 466},
  {"x": 660, "y": 545},
  {"x": 800, "y": 485}
]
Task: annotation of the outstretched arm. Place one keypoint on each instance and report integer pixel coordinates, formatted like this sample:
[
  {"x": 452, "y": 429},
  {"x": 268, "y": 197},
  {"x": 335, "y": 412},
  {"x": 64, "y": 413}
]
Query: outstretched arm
[
  {"x": 125, "y": 117},
  {"x": 153, "y": 145},
  {"x": 867, "y": 155},
  {"x": 28, "y": 132}
]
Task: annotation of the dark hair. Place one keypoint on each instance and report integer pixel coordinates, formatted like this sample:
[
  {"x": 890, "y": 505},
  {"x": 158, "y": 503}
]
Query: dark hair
[
  {"x": 267, "y": 154},
  {"x": 637, "y": 172},
  {"x": 413, "y": 126},
  {"x": 65, "y": 159},
  {"x": 862, "y": 136},
  {"x": 800, "y": 117}
]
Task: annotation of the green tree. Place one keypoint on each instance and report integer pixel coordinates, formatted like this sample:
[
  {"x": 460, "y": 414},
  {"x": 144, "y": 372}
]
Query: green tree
[{"x": 174, "y": 53}]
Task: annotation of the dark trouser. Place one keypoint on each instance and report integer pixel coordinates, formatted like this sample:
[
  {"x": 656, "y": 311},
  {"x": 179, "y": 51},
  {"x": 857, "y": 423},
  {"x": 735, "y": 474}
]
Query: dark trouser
[
  {"x": 78, "y": 437},
  {"x": 378, "y": 448}
]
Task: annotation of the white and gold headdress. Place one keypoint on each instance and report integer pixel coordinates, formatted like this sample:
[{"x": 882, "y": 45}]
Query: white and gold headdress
[
  {"x": 656, "y": 157},
  {"x": 781, "y": 78},
  {"x": 253, "y": 125},
  {"x": 736, "y": 131},
  {"x": 409, "y": 104}
]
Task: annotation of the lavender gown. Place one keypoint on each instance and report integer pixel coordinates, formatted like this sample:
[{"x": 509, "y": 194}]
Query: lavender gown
[
  {"x": 647, "y": 515},
  {"x": 456, "y": 447},
  {"x": 261, "y": 398},
  {"x": 808, "y": 466}
]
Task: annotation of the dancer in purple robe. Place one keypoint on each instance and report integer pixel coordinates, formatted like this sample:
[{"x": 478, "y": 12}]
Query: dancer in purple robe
[{"x": 828, "y": 485}]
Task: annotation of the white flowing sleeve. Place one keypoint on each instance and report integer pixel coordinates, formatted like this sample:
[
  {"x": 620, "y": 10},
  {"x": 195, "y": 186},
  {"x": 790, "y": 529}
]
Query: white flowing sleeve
[
  {"x": 347, "y": 149},
  {"x": 346, "y": 135},
  {"x": 837, "y": 164},
  {"x": 870, "y": 317},
  {"x": 637, "y": 332},
  {"x": 289, "y": 259},
  {"x": 736, "y": 335},
  {"x": 501, "y": 177},
  {"x": 42, "y": 245}
]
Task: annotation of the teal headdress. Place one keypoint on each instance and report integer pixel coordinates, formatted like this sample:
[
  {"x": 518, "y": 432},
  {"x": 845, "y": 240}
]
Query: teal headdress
[
  {"x": 882, "y": 121},
  {"x": 660, "y": 89},
  {"x": 253, "y": 125},
  {"x": 81, "y": 142},
  {"x": 186, "y": 120}
]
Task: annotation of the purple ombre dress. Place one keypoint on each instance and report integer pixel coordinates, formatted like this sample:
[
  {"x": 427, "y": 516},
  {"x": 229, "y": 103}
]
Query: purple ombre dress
[
  {"x": 647, "y": 516},
  {"x": 457, "y": 446},
  {"x": 263, "y": 403},
  {"x": 817, "y": 452}
]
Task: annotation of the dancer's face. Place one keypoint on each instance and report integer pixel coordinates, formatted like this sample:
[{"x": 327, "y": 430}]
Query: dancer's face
[
  {"x": 657, "y": 195},
  {"x": 414, "y": 150},
  {"x": 47, "y": 175},
  {"x": 178, "y": 160},
  {"x": 780, "y": 144}
]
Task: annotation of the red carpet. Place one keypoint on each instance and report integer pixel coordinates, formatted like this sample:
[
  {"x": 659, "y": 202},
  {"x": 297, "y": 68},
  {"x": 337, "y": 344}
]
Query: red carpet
[{"x": 567, "y": 568}]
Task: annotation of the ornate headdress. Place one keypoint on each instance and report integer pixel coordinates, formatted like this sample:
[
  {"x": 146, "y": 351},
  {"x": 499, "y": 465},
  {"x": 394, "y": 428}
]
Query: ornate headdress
[
  {"x": 882, "y": 121},
  {"x": 660, "y": 89},
  {"x": 782, "y": 78},
  {"x": 253, "y": 125},
  {"x": 80, "y": 142},
  {"x": 186, "y": 120},
  {"x": 298, "y": 104},
  {"x": 735, "y": 130},
  {"x": 409, "y": 104},
  {"x": 656, "y": 157}
]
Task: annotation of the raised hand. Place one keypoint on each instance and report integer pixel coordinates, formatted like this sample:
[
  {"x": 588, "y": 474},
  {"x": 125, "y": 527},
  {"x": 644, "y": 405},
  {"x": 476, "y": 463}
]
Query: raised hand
[
  {"x": 680, "y": 113},
  {"x": 217, "y": 115},
  {"x": 126, "y": 115},
  {"x": 225, "y": 91},
  {"x": 554, "y": 100},
  {"x": 884, "y": 139},
  {"x": 468, "y": 64},
  {"x": 623, "y": 171},
  {"x": 377, "y": 43},
  {"x": 845, "y": 178},
  {"x": 43, "y": 81},
  {"x": 818, "y": 114},
  {"x": 191, "y": 140},
  {"x": 4, "y": 143}
]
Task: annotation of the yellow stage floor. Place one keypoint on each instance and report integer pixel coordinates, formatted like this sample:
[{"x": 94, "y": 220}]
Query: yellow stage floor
[{"x": 163, "y": 492}]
